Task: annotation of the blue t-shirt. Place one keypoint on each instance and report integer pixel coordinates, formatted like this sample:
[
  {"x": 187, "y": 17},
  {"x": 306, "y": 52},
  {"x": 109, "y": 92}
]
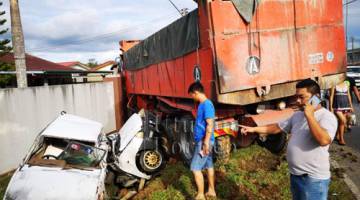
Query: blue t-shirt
[{"x": 205, "y": 111}]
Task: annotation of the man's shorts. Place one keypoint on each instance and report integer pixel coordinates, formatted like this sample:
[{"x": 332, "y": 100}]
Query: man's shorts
[
  {"x": 199, "y": 162},
  {"x": 304, "y": 187}
]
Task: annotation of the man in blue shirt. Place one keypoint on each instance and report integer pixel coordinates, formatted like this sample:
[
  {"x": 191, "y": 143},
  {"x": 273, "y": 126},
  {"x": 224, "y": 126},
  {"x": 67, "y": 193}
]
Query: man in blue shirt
[{"x": 204, "y": 139}]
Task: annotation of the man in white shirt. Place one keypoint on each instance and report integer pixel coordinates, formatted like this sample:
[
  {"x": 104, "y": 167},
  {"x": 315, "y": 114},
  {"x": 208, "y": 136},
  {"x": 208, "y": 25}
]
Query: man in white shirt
[{"x": 312, "y": 130}]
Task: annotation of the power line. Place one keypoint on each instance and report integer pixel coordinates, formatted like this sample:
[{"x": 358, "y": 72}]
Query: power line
[
  {"x": 172, "y": 3},
  {"x": 102, "y": 36},
  {"x": 347, "y": 3},
  {"x": 182, "y": 12}
]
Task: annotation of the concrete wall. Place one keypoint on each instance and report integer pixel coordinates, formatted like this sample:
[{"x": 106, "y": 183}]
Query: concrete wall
[{"x": 25, "y": 112}]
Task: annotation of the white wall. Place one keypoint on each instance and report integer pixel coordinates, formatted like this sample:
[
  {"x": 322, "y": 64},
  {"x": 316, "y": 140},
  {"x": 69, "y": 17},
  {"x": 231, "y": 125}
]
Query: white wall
[{"x": 25, "y": 112}]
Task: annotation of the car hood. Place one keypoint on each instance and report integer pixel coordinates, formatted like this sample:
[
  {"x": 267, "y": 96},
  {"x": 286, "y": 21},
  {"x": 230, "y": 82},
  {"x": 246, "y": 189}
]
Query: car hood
[{"x": 53, "y": 183}]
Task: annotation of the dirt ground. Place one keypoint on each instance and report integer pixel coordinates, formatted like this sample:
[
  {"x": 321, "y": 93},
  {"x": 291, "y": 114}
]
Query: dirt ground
[{"x": 251, "y": 173}]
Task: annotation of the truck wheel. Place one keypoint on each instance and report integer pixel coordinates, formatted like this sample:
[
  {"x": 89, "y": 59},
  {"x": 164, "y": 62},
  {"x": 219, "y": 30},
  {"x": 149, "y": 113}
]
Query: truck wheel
[
  {"x": 187, "y": 147},
  {"x": 243, "y": 141},
  {"x": 274, "y": 143},
  {"x": 222, "y": 149},
  {"x": 151, "y": 161}
]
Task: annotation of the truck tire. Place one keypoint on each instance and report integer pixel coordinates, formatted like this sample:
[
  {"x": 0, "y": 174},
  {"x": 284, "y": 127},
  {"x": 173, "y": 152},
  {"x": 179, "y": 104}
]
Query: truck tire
[
  {"x": 274, "y": 143},
  {"x": 187, "y": 147},
  {"x": 151, "y": 161},
  {"x": 243, "y": 141}
]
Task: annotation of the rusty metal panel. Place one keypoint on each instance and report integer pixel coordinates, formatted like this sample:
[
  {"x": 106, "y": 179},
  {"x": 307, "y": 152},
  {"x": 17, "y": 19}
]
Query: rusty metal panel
[
  {"x": 190, "y": 61},
  {"x": 207, "y": 72},
  {"x": 165, "y": 86},
  {"x": 138, "y": 82},
  {"x": 182, "y": 68},
  {"x": 154, "y": 83},
  {"x": 249, "y": 96},
  {"x": 179, "y": 78},
  {"x": 293, "y": 40}
]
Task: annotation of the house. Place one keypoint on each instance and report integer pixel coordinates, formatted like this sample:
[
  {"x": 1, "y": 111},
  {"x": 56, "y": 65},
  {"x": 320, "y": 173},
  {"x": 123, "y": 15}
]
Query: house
[
  {"x": 127, "y": 44},
  {"x": 39, "y": 71},
  {"x": 104, "y": 67},
  {"x": 75, "y": 65},
  {"x": 353, "y": 56},
  {"x": 78, "y": 66}
]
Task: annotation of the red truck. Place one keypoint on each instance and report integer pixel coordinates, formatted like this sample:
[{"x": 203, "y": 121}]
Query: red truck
[{"x": 248, "y": 56}]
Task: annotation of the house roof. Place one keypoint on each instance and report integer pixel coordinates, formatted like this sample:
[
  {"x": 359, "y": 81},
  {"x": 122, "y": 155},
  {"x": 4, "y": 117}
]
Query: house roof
[
  {"x": 34, "y": 63},
  {"x": 68, "y": 64},
  {"x": 357, "y": 50},
  {"x": 107, "y": 63},
  {"x": 128, "y": 44},
  {"x": 74, "y": 63}
]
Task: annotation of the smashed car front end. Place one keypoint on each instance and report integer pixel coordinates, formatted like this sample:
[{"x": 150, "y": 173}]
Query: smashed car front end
[{"x": 39, "y": 182}]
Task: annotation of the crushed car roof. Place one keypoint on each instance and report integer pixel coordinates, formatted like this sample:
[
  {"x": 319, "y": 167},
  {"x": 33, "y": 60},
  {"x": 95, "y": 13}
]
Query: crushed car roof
[{"x": 73, "y": 127}]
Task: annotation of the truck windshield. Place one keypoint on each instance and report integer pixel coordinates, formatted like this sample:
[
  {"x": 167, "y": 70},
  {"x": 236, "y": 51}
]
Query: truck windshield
[{"x": 82, "y": 155}]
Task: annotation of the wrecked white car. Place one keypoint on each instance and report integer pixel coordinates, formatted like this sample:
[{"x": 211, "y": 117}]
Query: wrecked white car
[
  {"x": 66, "y": 161},
  {"x": 72, "y": 159},
  {"x": 138, "y": 151}
]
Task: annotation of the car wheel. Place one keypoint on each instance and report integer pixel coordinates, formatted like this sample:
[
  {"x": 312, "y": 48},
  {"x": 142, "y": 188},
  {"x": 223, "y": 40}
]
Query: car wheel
[
  {"x": 151, "y": 161},
  {"x": 274, "y": 143}
]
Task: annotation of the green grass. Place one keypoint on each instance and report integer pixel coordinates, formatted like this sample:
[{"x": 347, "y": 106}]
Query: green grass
[
  {"x": 4, "y": 180},
  {"x": 251, "y": 173}
]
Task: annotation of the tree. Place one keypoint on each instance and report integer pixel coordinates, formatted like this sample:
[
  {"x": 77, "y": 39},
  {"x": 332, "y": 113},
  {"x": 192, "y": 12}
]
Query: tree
[
  {"x": 5, "y": 48},
  {"x": 92, "y": 63}
]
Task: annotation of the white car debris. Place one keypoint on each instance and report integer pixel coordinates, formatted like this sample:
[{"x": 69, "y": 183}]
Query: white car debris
[
  {"x": 66, "y": 161},
  {"x": 72, "y": 159}
]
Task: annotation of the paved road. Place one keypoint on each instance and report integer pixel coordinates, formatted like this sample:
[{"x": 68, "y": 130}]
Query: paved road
[
  {"x": 352, "y": 138},
  {"x": 349, "y": 156}
]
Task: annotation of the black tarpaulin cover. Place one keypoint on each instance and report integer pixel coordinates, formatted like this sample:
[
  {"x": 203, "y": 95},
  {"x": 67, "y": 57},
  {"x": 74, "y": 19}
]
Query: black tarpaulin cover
[
  {"x": 246, "y": 8},
  {"x": 175, "y": 40}
]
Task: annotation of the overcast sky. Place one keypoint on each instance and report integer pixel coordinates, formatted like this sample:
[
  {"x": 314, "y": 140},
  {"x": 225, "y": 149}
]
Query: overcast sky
[
  {"x": 78, "y": 30},
  {"x": 353, "y": 22}
]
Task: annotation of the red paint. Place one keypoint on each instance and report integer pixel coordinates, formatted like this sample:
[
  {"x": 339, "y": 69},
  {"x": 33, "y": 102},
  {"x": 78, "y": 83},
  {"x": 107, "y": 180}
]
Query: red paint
[{"x": 283, "y": 34}]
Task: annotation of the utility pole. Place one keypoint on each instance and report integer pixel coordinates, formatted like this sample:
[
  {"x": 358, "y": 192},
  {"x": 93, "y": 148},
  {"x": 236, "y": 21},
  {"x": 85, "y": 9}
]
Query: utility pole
[
  {"x": 18, "y": 44},
  {"x": 346, "y": 24},
  {"x": 352, "y": 49}
]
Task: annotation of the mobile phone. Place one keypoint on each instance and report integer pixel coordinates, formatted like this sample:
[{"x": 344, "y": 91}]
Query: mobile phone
[
  {"x": 201, "y": 153},
  {"x": 314, "y": 101}
]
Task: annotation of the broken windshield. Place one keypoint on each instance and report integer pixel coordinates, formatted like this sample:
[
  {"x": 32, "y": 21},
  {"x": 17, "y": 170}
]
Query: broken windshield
[{"x": 83, "y": 155}]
